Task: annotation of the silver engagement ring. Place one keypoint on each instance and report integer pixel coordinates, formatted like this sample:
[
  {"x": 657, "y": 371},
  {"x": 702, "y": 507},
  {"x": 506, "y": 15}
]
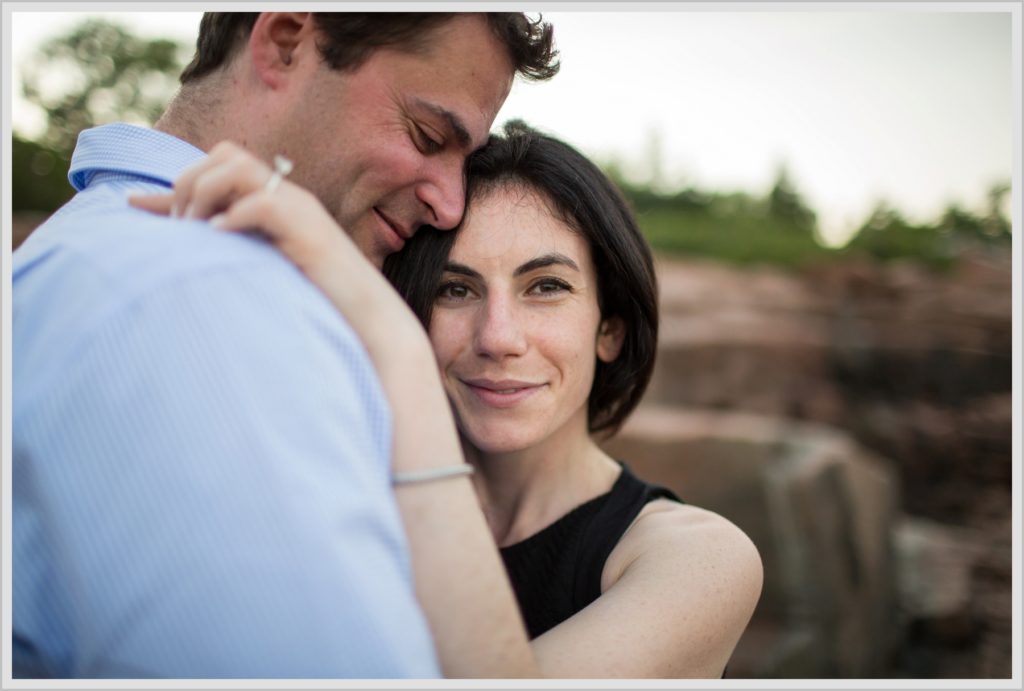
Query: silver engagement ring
[{"x": 282, "y": 166}]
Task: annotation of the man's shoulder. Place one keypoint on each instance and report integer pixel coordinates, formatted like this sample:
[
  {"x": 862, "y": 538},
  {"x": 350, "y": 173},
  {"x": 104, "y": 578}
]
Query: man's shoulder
[
  {"x": 101, "y": 262},
  {"x": 98, "y": 232},
  {"x": 102, "y": 253}
]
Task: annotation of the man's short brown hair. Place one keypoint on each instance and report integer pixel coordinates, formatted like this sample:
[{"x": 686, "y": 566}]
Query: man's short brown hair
[{"x": 348, "y": 38}]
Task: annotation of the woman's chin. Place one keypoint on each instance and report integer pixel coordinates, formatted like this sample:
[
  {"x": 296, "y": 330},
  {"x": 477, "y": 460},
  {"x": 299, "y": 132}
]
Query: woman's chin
[{"x": 494, "y": 442}]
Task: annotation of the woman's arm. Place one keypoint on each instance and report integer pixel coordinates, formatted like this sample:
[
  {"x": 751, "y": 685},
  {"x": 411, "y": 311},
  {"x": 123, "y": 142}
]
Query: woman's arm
[
  {"x": 677, "y": 593},
  {"x": 459, "y": 578}
]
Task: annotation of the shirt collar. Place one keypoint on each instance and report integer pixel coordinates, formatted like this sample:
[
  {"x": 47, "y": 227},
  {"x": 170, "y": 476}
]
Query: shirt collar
[{"x": 125, "y": 149}]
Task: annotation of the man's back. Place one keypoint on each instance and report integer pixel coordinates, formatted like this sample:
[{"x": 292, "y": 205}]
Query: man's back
[{"x": 201, "y": 450}]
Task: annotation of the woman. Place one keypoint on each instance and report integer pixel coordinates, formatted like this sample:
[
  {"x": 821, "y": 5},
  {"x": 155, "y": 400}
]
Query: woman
[{"x": 541, "y": 312}]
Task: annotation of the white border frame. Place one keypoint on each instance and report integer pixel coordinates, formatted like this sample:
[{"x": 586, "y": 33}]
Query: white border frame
[{"x": 6, "y": 680}]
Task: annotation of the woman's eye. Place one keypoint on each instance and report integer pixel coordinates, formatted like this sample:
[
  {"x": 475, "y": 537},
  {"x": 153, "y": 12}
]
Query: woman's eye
[
  {"x": 453, "y": 291},
  {"x": 550, "y": 286}
]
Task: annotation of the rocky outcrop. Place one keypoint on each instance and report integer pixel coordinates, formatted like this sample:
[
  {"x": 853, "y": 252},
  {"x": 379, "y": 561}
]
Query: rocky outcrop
[
  {"x": 803, "y": 399},
  {"x": 954, "y": 604},
  {"x": 819, "y": 508},
  {"x": 915, "y": 364}
]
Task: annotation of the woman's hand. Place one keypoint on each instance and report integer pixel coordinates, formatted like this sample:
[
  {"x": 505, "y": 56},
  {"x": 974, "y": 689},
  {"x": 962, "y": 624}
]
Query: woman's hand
[{"x": 229, "y": 188}]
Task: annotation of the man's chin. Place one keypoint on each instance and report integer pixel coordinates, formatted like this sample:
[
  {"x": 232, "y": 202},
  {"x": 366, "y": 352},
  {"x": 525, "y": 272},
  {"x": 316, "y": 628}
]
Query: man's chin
[
  {"x": 371, "y": 247},
  {"x": 377, "y": 261},
  {"x": 377, "y": 254}
]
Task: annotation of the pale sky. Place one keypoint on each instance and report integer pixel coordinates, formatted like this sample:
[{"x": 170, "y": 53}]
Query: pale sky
[{"x": 911, "y": 107}]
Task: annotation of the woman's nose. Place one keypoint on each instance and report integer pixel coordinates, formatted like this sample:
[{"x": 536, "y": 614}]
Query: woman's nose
[{"x": 499, "y": 330}]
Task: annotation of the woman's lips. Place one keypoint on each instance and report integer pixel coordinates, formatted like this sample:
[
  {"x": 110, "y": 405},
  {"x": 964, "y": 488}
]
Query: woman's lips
[{"x": 501, "y": 394}]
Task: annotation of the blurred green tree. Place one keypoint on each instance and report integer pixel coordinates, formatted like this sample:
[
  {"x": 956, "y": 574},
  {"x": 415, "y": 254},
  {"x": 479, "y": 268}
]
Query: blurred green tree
[
  {"x": 965, "y": 231},
  {"x": 39, "y": 177},
  {"x": 98, "y": 72},
  {"x": 887, "y": 235},
  {"x": 996, "y": 225},
  {"x": 786, "y": 205},
  {"x": 733, "y": 226}
]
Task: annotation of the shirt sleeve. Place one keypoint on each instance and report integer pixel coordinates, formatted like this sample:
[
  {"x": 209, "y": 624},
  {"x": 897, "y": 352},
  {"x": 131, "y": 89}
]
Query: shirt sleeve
[{"x": 203, "y": 492}]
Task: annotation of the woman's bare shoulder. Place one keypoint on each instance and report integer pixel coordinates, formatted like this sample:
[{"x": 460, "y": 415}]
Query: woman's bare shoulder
[
  {"x": 677, "y": 593},
  {"x": 686, "y": 539}
]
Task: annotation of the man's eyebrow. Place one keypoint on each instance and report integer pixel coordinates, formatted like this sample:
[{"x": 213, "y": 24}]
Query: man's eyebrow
[
  {"x": 453, "y": 121},
  {"x": 461, "y": 269},
  {"x": 546, "y": 260}
]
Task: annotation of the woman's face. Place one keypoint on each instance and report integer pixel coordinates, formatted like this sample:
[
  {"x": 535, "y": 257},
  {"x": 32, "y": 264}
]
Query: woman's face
[{"x": 516, "y": 326}]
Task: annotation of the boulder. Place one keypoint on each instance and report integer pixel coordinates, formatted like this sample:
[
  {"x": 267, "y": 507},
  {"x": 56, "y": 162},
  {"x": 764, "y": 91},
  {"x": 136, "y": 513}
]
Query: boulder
[{"x": 819, "y": 508}]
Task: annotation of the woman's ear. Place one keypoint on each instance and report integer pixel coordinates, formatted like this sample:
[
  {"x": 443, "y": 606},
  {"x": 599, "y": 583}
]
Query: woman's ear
[
  {"x": 610, "y": 336},
  {"x": 275, "y": 38}
]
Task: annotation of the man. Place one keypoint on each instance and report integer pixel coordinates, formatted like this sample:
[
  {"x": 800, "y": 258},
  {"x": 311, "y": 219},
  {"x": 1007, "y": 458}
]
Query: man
[{"x": 201, "y": 447}]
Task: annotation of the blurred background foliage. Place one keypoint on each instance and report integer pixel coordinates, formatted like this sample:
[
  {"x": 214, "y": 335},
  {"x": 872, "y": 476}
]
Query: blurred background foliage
[
  {"x": 779, "y": 228},
  {"x": 100, "y": 72}
]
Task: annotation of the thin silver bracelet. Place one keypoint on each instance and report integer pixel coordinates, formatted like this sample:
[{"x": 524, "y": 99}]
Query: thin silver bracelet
[{"x": 431, "y": 474}]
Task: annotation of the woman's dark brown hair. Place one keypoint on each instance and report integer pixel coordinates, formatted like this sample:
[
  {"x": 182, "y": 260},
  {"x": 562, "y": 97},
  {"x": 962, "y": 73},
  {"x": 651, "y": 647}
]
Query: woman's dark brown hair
[
  {"x": 589, "y": 203},
  {"x": 348, "y": 38}
]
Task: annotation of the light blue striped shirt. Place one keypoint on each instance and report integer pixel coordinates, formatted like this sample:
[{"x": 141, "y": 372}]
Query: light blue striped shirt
[{"x": 200, "y": 451}]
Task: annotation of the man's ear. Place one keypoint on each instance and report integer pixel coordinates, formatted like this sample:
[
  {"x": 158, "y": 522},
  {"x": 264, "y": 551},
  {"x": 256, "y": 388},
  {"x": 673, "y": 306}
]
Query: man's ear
[
  {"x": 276, "y": 41},
  {"x": 610, "y": 336}
]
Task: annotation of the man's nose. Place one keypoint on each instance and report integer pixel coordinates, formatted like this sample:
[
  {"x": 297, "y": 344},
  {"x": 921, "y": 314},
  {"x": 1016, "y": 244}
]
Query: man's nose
[{"x": 444, "y": 195}]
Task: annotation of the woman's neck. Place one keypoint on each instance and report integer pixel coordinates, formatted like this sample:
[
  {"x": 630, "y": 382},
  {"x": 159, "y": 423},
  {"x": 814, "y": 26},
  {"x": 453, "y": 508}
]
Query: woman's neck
[{"x": 524, "y": 491}]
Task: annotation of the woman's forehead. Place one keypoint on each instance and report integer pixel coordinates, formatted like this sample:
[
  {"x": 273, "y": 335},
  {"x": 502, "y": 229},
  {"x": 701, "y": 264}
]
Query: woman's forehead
[{"x": 512, "y": 222}]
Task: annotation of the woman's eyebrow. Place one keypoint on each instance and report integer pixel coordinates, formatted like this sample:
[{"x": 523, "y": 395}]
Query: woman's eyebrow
[
  {"x": 461, "y": 269},
  {"x": 549, "y": 259}
]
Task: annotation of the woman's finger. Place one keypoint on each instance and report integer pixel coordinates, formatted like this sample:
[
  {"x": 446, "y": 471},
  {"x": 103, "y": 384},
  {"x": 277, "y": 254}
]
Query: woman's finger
[
  {"x": 261, "y": 210},
  {"x": 219, "y": 186},
  {"x": 290, "y": 217},
  {"x": 185, "y": 184},
  {"x": 154, "y": 203}
]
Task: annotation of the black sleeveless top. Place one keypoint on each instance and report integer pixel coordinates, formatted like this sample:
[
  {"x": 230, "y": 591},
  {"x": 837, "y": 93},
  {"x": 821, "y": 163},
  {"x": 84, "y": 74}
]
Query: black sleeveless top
[{"x": 557, "y": 571}]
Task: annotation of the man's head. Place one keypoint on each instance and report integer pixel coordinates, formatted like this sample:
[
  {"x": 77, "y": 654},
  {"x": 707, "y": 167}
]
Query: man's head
[{"x": 378, "y": 111}]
